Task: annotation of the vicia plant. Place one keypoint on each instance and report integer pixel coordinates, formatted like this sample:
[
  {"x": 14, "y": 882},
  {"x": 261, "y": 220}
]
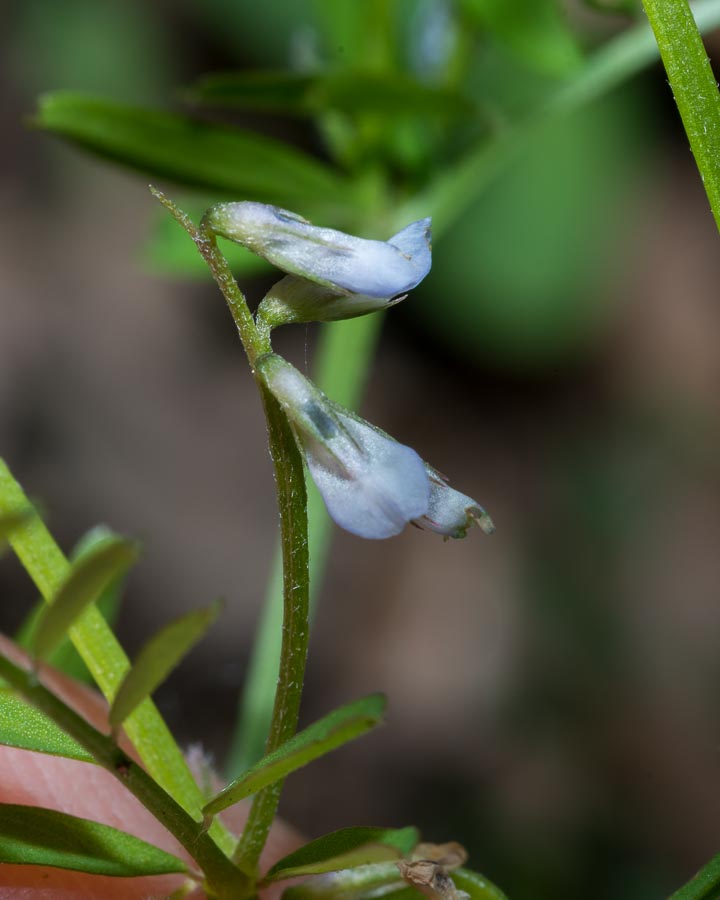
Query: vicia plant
[
  {"x": 372, "y": 485},
  {"x": 420, "y": 118}
]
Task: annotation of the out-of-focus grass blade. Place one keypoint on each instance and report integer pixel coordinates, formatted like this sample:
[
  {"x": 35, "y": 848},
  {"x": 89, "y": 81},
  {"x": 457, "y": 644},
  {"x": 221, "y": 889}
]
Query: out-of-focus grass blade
[
  {"x": 9, "y": 521},
  {"x": 190, "y": 151},
  {"x": 31, "y": 835},
  {"x": 89, "y": 576},
  {"x": 704, "y": 885},
  {"x": 332, "y": 731},
  {"x": 66, "y": 658},
  {"x": 345, "y": 849},
  {"x": 351, "y": 92},
  {"x": 24, "y": 726},
  {"x": 160, "y": 655}
]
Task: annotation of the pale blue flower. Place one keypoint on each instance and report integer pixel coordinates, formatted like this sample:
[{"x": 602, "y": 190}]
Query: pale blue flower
[
  {"x": 339, "y": 261},
  {"x": 371, "y": 484}
]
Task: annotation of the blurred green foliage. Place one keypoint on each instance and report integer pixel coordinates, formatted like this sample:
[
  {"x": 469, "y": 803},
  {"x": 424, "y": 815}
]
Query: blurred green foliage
[
  {"x": 547, "y": 240},
  {"x": 401, "y": 94},
  {"x": 115, "y": 48}
]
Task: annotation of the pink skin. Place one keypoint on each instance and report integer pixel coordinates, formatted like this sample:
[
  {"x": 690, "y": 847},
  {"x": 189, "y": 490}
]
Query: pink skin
[{"x": 83, "y": 789}]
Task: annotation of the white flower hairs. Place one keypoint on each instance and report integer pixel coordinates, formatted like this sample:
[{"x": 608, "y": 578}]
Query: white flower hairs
[{"x": 372, "y": 485}]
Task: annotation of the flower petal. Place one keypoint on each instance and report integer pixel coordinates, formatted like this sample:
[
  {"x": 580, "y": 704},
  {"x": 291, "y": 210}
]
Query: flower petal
[
  {"x": 385, "y": 488},
  {"x": 324, "y": 255},
  {"x": 371, "y": 484}
]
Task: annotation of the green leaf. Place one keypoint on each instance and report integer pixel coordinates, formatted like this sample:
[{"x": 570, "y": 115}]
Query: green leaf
[
  {"x": 190, "y": 151},
  {"x": 345, "y": 849},
  {"x": 337, "y": 728},
  {"x": 351, "y": 92},
  {"x": 383, "y": 879},
  {"x": 47, "y": 566},
  {"x": 476, "y": 885},
  {"x": 66, "y": 658},
  {"x": 704, "y": 885},
  {"x": 375, "y": 880},
  {"x": 10, "y": 521},
  {"x": 160, "y": 655},
  {"x": 536, "y": 31},
  {"x": 89, "y": 576},
  {"x": 30, "y": 835},
  {"x": 24, "y": 726}
]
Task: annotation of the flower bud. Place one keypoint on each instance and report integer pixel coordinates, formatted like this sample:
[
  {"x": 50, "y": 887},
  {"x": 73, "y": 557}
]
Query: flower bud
[
  {"x": 371, "y": 484},
  {"x": 451, "y": 513},
  {"x": 331, "y": 258}
]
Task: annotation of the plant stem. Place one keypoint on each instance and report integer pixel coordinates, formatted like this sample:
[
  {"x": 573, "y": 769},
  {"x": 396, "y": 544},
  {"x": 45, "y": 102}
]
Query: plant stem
[
  {"x": 104, "y": 657},
  {"x": 341, "y": 370},
  {"x": 253, "y": 342},
  {"x": 703, "y": 886},
  {"x": 224, "y": 880},
  {"x": 694, "y": 86},
  {"x": 292, "y": 504}
]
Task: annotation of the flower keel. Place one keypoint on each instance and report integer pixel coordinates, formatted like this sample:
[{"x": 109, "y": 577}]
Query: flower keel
[{"x": 451, "y": 513}]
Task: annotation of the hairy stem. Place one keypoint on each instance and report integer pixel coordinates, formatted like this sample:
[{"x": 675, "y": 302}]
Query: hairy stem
[
  {"x": 292, "y": 504},
  {"x": 341, "y": 370},
  {"x": 694, "y": 86},
  {"x": 224, "y": 880},
  {"x": 253, "y": 342},
  {"x": 704, "y": 885}
]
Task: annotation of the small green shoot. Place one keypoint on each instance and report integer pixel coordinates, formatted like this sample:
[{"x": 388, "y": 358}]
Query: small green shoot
[
  {"x": 345, "y": 849},
  {"x": 337, "y": 728},
  {"x": 65, "y": 657},
  {"x": 160, "y": 655},
  {"x": 88, "y": 577}
]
